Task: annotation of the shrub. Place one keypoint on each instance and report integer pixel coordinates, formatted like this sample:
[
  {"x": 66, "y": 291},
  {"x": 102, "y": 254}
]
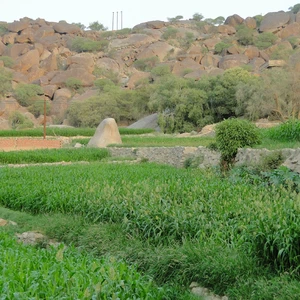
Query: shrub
[
  {"x": 146, "y": 64},
  {"x": 265, "y": 40},
  {"x": 3, "y": 29},
  {"x": 245, "y": 35},
  {"x": 81, "y": 44},
  {"x": 37, "y": 108},
  {"x": 110, "y": 74},
  {"x": 5, "y": 81},
  {"x": 220, "y": 47},
  {"x": 19, "y": 121},
  {"x": 74, "y": 84},
  {"x": 170, "y": 33},
  {"x": 8, "y": 61},
  {"x": 26, "y": 94},
  {"x": 233, "y": 134}
]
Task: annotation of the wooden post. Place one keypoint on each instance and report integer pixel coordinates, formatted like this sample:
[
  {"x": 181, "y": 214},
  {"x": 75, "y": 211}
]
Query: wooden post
[{"x": 44, "y": 117}]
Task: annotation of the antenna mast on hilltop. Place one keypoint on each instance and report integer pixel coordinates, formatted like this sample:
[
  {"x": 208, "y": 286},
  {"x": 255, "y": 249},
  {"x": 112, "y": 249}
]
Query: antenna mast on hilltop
[{"x": 117, "y": 20}]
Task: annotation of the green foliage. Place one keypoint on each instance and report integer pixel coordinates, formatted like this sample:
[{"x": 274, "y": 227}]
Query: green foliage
[
  {"x": 265, "y": 40},
  {"x": 27, "y": 94},
  {"x": 245, "y": 35},
  {"x": 294, "y": 41},
  {"x": 233, "y": 134},
  {"x": 146, "y": 64},
  {"x": 53, "y": 155},
  {"x": 8, "y": 61},
  {"x": 109, "y": 74},
  {"x": 3, "y": 28},
  {"x": 19, "y": 121},
  {"x": 103, "y": 84},
  {"x": 193, "y": 162},
  {"x": 271, "y": 161},
  {"x": 97, "y": 26},
  {"x": 74, "y": 84},
  {"x": 187, "y": 41},
  {"x": 80, "y": 25},
  {"x": 219, "y": 20},
  {"x": 80, "y": 44},
  {"x": 175, "y": 19},
  {"x": 170, "y": 33},
  {"x": 281, "y": 53},
  {"x": 160, "y": 71},
  {"x": 258, "y": 19},
  {"x": 197, "y": 17},
  {"x": 34, "y": 273},
  {"x": 220, "y": 47},
  {"x": 5, "y": 82},
  {"x": 287, "y": 131},
  {"x": 294, "y": 9},
  {"x": 37, "y": 108}
]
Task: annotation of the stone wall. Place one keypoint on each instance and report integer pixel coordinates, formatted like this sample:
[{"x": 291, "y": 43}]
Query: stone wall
[
  {"x": 176, "y": 156},
  {"x": 11, "y": 144}
]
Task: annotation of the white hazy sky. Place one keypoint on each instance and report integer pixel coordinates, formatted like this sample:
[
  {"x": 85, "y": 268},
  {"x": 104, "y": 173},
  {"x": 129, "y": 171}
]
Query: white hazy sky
[{"x": 134, "y": 11}]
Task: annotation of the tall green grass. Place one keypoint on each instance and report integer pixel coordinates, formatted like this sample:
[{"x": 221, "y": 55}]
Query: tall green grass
[
  {"x": 53, "y": 155},
  {"x": 162, "y": 204},
  {"x": 67, "y": 132},
  {"x": 35, "y": 273}
]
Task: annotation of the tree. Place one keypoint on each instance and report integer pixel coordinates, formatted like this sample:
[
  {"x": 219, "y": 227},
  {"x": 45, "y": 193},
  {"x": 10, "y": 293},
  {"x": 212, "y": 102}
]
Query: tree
[
  {"x": 219, "y": 20},
  {"x": 294, "y": 9},
  {"x": 175, "y": 19},
  {"x": 26, "y": 94},
  {"x": 97, "y": 26},
  {"x": 245, "y": 35},
  {"x": 197, "y": 17},
  {"x": 80, "y": 25}
]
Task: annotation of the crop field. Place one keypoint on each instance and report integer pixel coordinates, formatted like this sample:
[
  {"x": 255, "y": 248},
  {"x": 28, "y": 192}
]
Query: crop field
[{"x": 235, "y": 236}]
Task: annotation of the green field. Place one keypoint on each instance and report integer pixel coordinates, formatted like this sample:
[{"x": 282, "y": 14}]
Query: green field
[{"x": 234, "y": 235}]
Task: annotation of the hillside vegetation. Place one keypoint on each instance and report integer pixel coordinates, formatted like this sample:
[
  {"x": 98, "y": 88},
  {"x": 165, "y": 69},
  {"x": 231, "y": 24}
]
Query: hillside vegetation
[{"x": 193, "y": 72}]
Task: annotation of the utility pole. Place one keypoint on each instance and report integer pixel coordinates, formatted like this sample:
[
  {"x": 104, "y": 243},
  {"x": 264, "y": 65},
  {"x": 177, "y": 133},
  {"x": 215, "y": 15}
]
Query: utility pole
[
  {"x": 113, "y": 18},
  {"x": 117, "y": 20},
  {"x": 44, "y": 117},
  {"x": 121, "y": 19}
]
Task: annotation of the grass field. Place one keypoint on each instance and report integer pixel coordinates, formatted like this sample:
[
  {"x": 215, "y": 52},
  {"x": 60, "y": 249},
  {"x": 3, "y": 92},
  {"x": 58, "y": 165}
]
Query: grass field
[{"x": 232, "y": 235}]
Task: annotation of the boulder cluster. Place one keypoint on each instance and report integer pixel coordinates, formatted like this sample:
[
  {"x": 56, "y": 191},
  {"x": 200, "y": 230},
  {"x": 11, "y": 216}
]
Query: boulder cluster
[{"x": 43, "y": 54}]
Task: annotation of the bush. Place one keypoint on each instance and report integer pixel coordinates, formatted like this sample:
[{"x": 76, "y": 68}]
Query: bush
[
  {"x": 8, "y": 61},
  {"x": 146, "y": 64},
  {"x": 265, "y": 40},
  {"x": 245, "y": 35},
  {"x": 170, "y": 33},
  {"x": 220, "y": 47},
  {"x": 3, "y": 29},
  {"x": 271, "y": 161},
  {"x": 81, "y": 44},
  {"x": 26, "y": 94},
  {"x": 37, "y": 108},
  {"x": 5, "y": 81},
  {"x": 74, "y": 84},
  {"x": 19, "y": 121},
  {"x": 233, "y": 134}
]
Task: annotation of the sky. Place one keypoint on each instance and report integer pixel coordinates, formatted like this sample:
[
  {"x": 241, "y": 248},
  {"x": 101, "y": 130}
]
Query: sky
[{"x": 134, "y": 11}]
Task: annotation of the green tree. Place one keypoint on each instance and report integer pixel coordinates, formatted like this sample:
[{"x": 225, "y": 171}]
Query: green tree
[
  {"x": 97, "y": 26},
  {"x": 170, "y": 33},
  {"x": 80, "y": 25},
  {"x": 219, "y": 20},
  {"x": 197, "y": 17},
  {"x": 19, "y": 121},
  {"x": 5, "y": 82},
  {"x": 220, "y": 47},
  {"x": 26, "y": 94},
  {"x": 245, "y": 35},
  {"x": 294, "y": 9},
  {"x": 80, "y": 44},
  {"x": 265, "y": 40},
  {"x": 175, "y": 19}
]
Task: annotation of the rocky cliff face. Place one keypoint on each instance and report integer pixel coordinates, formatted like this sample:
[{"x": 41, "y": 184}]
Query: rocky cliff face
[{"x": 48, "y": 54}]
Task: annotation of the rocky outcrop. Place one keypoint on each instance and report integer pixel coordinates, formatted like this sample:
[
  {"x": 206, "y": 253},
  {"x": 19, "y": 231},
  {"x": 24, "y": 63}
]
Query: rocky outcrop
[
  {"x": 234, "y": 20},
  {"x": 232, "y": 61},
  {"x": 274, "y": 21}
]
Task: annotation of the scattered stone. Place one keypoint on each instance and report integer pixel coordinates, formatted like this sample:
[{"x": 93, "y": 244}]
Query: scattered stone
[
  {"x": 3, "y": 222},
  {"x": 77, "y": 145},
  {"x": 30, "y": 237},
  {"x": 293, "y": 161},
  {"x": 204, "y": 292},
  {"x": 106, "y": 133}
]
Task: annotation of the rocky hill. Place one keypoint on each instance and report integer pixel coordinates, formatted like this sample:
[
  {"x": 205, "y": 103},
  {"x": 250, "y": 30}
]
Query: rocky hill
[{"x": 57, "y": 56}]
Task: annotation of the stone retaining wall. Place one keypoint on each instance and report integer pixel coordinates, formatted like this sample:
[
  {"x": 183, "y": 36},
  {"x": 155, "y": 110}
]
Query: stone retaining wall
[
  {"x": 11, "y": 144},
  {"x": 176, "y": 156}
]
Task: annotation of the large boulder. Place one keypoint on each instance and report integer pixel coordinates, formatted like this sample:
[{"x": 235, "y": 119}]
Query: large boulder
[
  {"x": 106, "y": 133},
  {"x": 81, "y": 60},
  {"x": 250, "y": 23},
  {"x": 251, "y": 52},
  {"x": 65, "y": 28},
  {"x": 17, "y": 26},
  {"x": 27, "y": 61},
  {"x": 226, "y": 29},
  {"x": 188, "y": 65},
  {"x": 149, "y": 25},
  {"x": 273, "y": 21},
  {"x": 210, "y": 60},
  {"x": 234, "y": 20},
  {"x": 134, "y": 40},
  {"x": 232, "y": 61},
  {"x": 290, "y": 30},
  {"x": 159, "y": 49},
  {"x": 147, "y": 122}
]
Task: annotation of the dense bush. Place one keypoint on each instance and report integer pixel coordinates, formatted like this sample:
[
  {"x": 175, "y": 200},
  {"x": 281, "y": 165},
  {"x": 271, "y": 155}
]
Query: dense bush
[
  {"x": 170, "y": 33},
  {"x": 81, "y": 44},
  {"x": 19, "y": 121},
  {"x": 265, "y": 40},
  {"x": 37, "y": 108},
  {"x": 220, "y": 47},
  {"x": 233, "y": 134},
  {"x": 245, "y": 35},
  {"x": 5, "y": 82},
  {"x": 8, "y": 61},
  {"x": 74, "y": 84},
  {"x": 26, "y": 94},
  {"x": 146, "y": 64}
]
